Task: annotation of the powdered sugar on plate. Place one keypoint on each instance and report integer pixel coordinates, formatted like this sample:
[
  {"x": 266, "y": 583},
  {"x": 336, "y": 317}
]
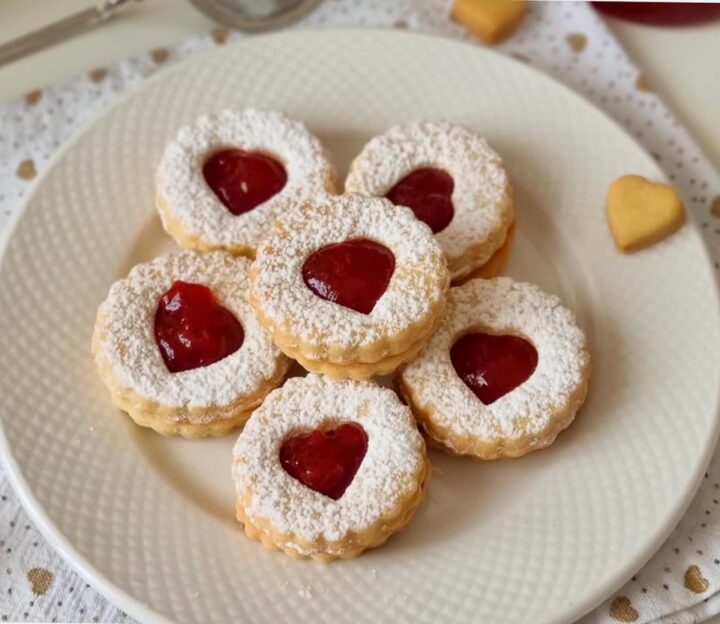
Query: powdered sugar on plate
[
  {"x": 501, "y": 306},
  {"x": 126, "y": 332},
  {"x": 481, "y": 196},
  {"x": 416, "y": 288},
  {"x": 391, "y": 468},
  {"x": 189, "y": 200}
]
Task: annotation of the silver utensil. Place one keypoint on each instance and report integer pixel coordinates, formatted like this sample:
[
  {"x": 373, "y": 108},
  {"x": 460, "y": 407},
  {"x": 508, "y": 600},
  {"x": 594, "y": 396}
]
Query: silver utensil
[
  {"x": 60, "y": 30},
  {"x": 247, "y": 15}
]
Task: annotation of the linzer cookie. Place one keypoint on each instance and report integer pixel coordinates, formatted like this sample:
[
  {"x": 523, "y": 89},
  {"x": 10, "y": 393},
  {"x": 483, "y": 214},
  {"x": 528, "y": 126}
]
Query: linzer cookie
[
  {"x": 453, "y": 182},
  {"x": 180, "y": 349},
  {"x": 326, "y": 469},
  {"x": 506, "y": 371},
  {"x": 223, "y": 180},
  {"x": 349, "y": 286}
]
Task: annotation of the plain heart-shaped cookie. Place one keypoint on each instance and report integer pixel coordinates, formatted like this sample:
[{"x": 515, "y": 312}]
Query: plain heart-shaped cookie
[
  {"x": 490, "y": 20},
  {"x": 641, "y": 212},
  {"x": 354, "y": 273},
  {"x": 325, "y": 461}
]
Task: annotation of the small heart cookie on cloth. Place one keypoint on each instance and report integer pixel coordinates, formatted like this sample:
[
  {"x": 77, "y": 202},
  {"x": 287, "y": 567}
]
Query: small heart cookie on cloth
[
  {"x": 490, "y": 20},
  {"x": 641, "y": 212}
]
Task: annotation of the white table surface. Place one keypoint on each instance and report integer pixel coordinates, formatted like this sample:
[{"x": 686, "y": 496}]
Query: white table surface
[{"x": 676, "y": 61}]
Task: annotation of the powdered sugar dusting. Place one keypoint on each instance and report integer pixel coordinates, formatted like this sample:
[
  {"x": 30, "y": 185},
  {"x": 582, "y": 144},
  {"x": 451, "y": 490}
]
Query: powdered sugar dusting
[
  {"x": 417, "y": 286},
  {"x": 501, "y": 306},
  {"x": 394, "y": 460},
  {"x": 127, "y": 333},
  {"x": 189, "y": 199},
  {"x": 481, "y": 195}
]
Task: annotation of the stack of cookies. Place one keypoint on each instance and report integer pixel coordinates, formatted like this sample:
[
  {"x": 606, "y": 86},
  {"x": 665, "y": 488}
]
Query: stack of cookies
[{"x": 396, "y": 276}]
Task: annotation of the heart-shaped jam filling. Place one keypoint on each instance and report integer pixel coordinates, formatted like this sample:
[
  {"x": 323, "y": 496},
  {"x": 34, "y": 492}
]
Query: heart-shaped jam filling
[
  {"x": 428, "y": 193},
  {"x": 325, "y": 461},
  {"x": 243, "y": 180},
  {"x": 491, "y": 365},
  {"x": 354, "y": 273},
  {"x": 192, "y": 329}
]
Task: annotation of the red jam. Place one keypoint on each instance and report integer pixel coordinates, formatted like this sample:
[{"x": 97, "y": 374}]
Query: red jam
[
  {"x": 354, "y": 273},
  {"x": 491, "y": 366},
  {"x": 243, "y": 180},
  {"x": 428, "y": 193},
  {"x": 325, "y": 461},
  {"x": 192, "y": 329},
  {"x": 662, "y": 13}
]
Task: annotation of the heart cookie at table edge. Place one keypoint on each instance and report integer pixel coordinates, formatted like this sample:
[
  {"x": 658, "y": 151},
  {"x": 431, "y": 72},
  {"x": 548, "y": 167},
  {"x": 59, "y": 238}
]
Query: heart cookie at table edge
[
  {"x": 490, "y": 20},
  {"x": 641, "y": 212}
]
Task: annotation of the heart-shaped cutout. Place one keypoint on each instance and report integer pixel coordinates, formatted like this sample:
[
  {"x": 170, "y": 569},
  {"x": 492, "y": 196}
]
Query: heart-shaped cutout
[
  {"x": 641, "y": 212},
  {"x": 194, "y": 330},
  {"x": 325, "y": 460},
  {"x": 243, "y": 180},
  {"x": 428, "y": 193},
  {"x": 492, "y": 365},
  {"x": 354, "y": 273}
]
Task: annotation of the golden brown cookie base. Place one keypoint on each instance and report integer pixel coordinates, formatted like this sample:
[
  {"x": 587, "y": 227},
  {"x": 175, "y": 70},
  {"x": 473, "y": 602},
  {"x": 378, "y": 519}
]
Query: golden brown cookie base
[
  {"x": 363, "y": 359},
  {"x": 347, "y": 548},
  {"x": 442, "y": 438},
  {"x": 196, "y": 422},
  {"x": 187, "y": 430},
  {"x": 360, "y": 370},
  {"x": 496, "y": 263},
  {"x": 481, "y": 252},
  {"x": 173, "y": 226}
]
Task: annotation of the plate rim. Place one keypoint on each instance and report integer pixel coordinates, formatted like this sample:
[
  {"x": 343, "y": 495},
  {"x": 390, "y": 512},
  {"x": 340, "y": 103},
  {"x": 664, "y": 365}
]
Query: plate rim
[{"x": 144, "y": 612}]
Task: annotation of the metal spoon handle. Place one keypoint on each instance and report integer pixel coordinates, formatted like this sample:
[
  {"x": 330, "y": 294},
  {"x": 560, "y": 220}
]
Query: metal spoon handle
[{"x": 58, "y": 31}]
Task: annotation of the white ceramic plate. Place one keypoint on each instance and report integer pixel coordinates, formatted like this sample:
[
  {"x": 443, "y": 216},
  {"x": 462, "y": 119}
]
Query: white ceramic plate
[{"x": 149, "y": 520}]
